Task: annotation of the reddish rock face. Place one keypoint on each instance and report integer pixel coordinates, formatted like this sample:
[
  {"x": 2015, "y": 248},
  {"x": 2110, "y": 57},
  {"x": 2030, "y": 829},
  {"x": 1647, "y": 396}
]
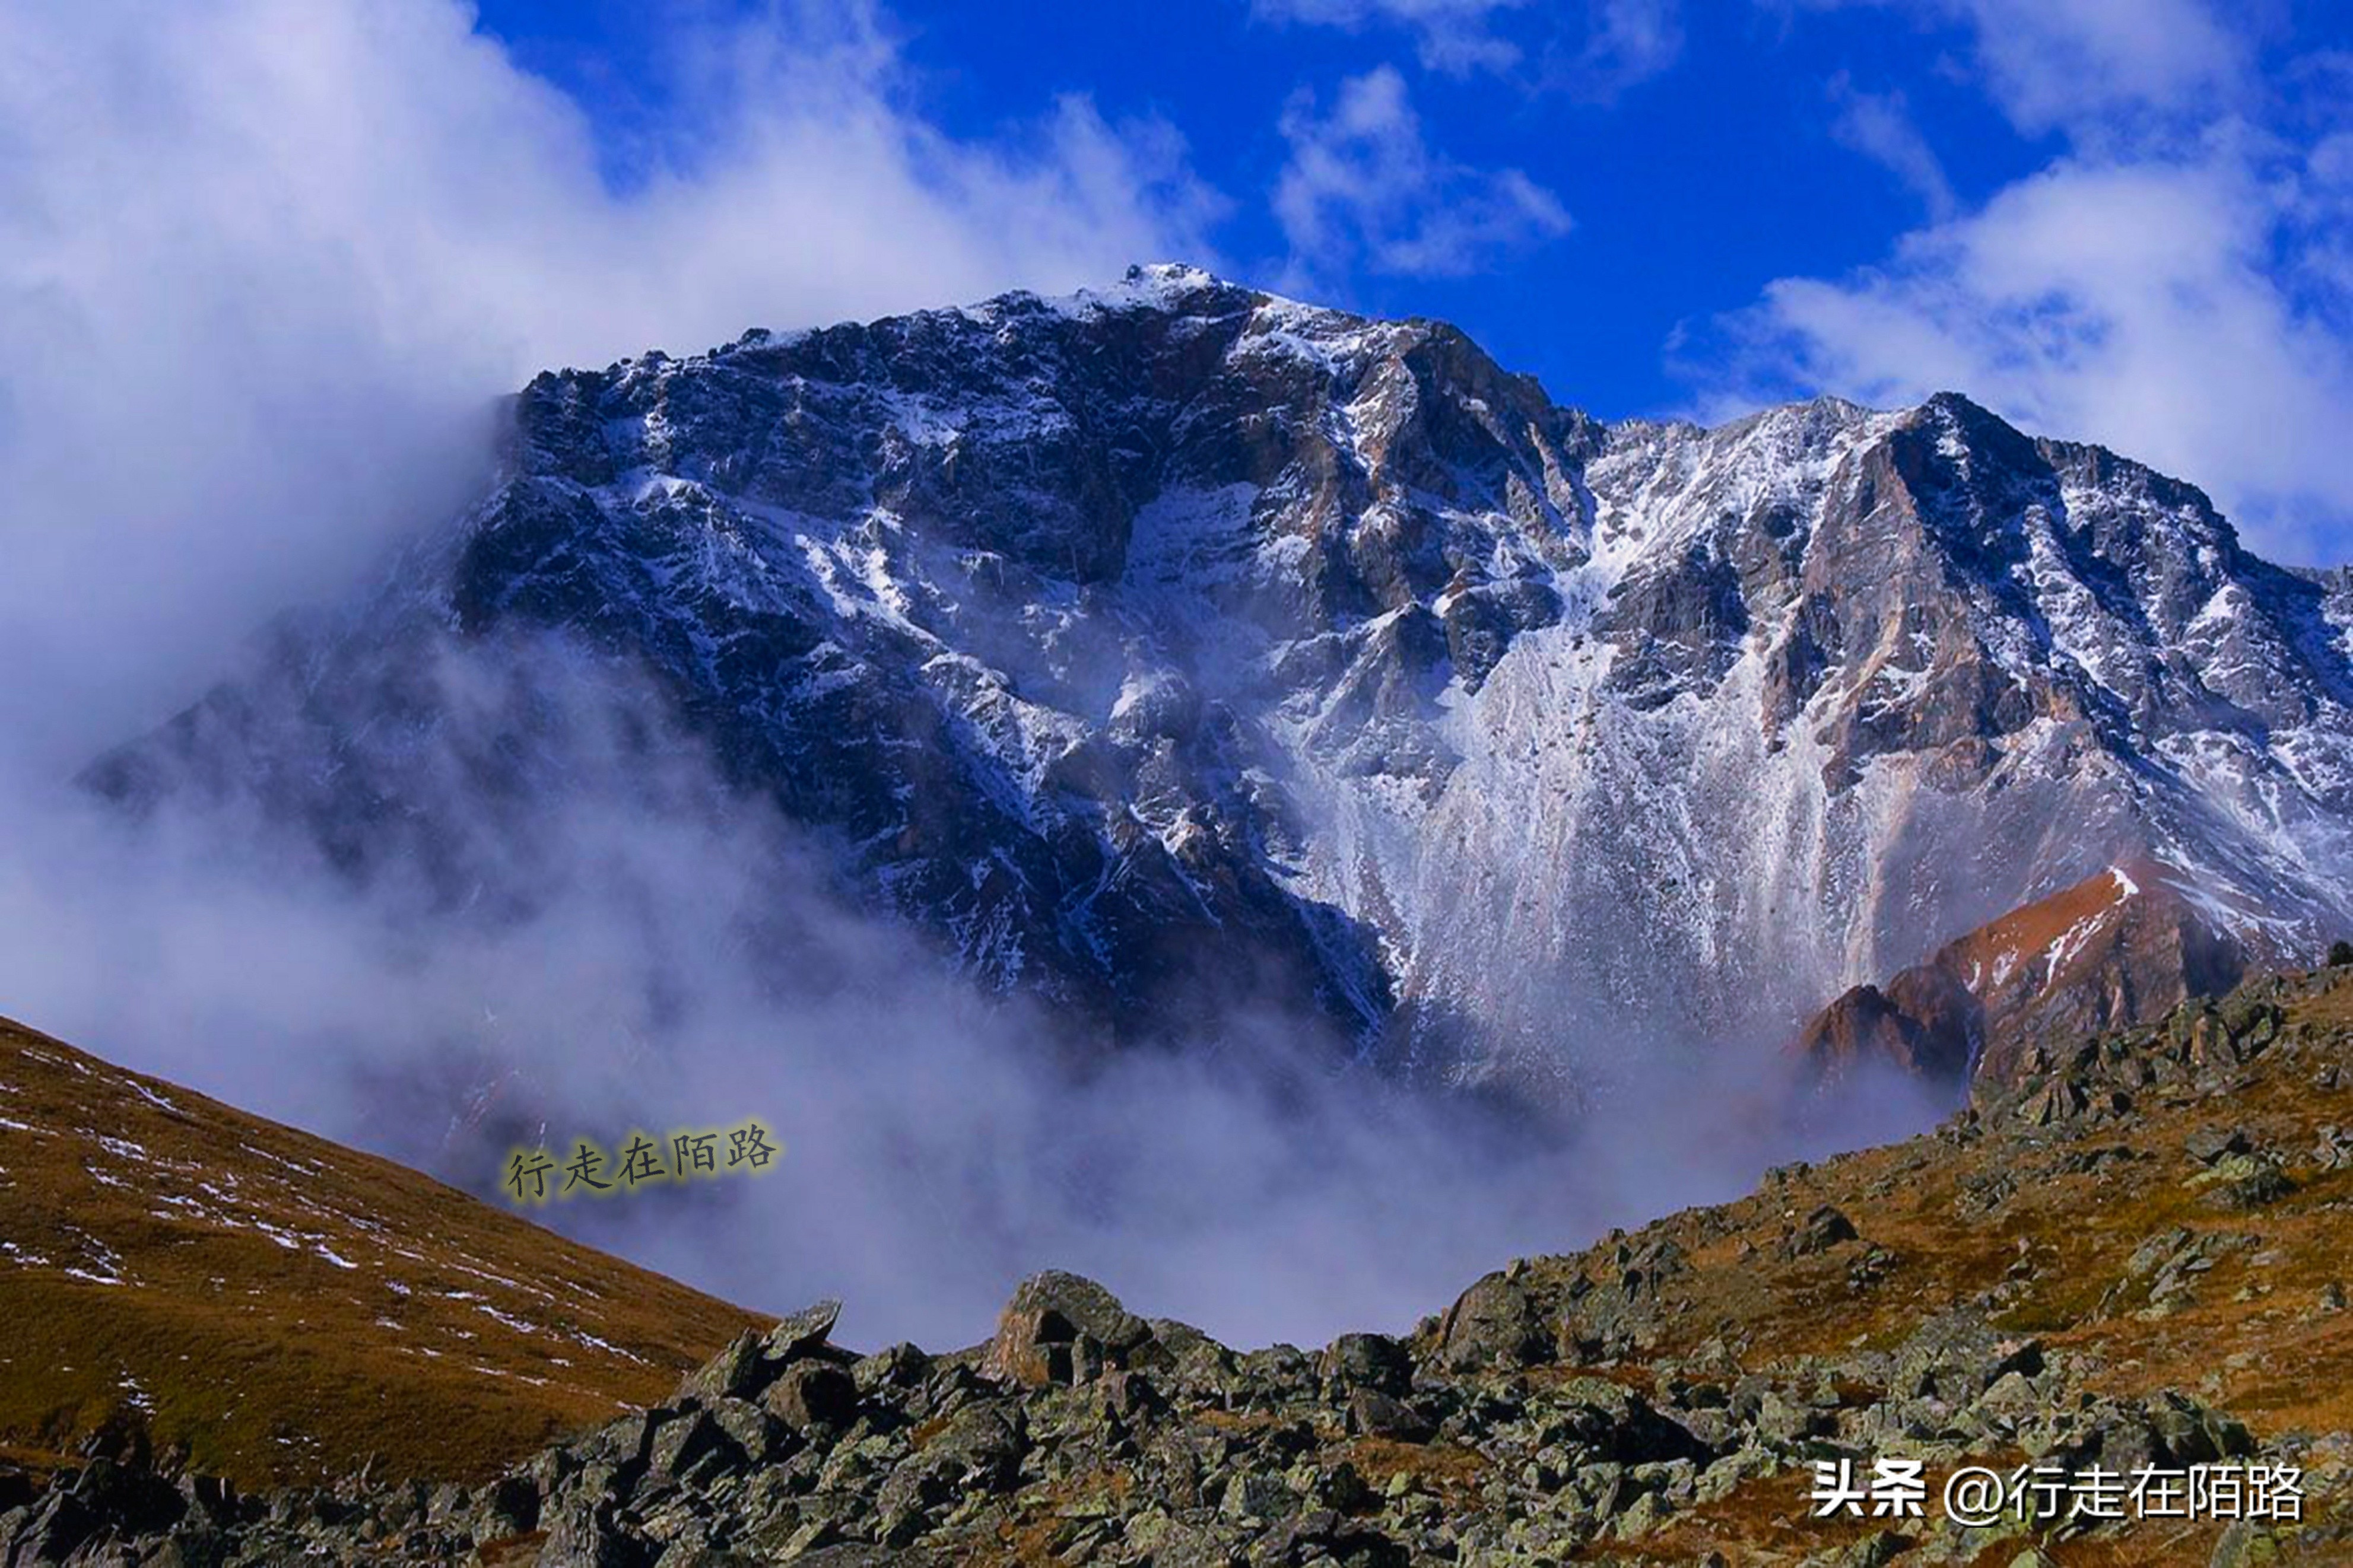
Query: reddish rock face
[
  {"x": 1933, "y": 1038},
  {"x": 2120, "y": 947}
]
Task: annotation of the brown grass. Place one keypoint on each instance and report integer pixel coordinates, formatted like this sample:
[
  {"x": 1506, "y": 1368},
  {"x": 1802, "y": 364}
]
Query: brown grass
[
  {"x": 2254, "y": 1339},
  {"x": 284, "y": 1309}
]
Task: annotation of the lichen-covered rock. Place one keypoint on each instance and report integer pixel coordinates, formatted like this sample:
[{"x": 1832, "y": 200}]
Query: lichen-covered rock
[
  {"x": 1496, "y": 1323},
  {"x": 812, "y": 1395},
  {"x": 1367, "y": 1361},
  {"x": 801, "y": 1333}
]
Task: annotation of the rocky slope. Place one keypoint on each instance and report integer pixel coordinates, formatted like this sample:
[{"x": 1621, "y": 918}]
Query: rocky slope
[
  {"x": 180, "y": 1278},
  {"x": 2131, "y": 1256},
  {"x": 2123, "y": 946},
  {"x": 1177, "y": 645}
]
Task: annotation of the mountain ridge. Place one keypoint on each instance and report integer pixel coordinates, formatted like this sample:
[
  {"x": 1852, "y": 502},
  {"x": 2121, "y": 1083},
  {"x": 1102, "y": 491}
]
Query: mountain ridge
[{"x": 1174, "y": 648}]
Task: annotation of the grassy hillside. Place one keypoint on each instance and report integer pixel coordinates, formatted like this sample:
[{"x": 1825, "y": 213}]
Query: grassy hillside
[
  {"x": 2132, "y": 1252},
  {"x": 284, "y": 1307}
]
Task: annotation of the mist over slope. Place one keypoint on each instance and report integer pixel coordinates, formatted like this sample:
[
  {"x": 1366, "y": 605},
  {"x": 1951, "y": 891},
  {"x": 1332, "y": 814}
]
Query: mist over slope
[
  {"x": 661, "y": 954},
  {"x": 2127, "y": 1264}
]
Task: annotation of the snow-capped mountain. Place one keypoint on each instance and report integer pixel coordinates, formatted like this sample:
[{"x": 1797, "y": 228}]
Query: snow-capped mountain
[{"x": 1177, "y": 645}]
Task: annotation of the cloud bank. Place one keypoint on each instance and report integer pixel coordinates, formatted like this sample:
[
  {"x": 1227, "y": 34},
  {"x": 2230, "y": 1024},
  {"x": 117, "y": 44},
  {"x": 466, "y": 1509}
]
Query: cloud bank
[
  {"x": 265, "y": 263},
  {"x": 645, "y": 951}
]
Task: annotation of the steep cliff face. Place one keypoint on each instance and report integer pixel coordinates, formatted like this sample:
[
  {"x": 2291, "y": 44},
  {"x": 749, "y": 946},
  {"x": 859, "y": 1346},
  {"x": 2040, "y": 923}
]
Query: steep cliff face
[{"x": 1177, "y": 647}]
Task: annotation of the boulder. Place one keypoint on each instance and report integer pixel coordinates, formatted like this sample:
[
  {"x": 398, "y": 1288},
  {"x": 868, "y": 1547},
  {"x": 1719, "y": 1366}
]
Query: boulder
[
  {"x": 1496, "y": 1323},
  {"x": 1819, "y": 1232},
  {"x": 902, "y": 1366},
  {"x": 691, "y": 1448},
  {"x": 1957, "y": 1356},
  {"x": 801, "y": 1333},
  {"x": 739, "y": 1371},
  {"x": 1373, "y": 1413},
  {"x": 813, "y": 1396},
  {"x": 1367, "y": 1361},
  {"x": 1061, "y": 1329},
  {"x": 2208, "y": 1144}
]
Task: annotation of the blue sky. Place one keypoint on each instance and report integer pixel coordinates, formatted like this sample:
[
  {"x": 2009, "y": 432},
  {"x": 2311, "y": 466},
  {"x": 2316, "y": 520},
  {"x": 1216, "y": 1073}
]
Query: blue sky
[
  {"x": 2123, "y": 220},
  {"x": 299, "y": 246},
  {"x": 1692, "y": 168}
]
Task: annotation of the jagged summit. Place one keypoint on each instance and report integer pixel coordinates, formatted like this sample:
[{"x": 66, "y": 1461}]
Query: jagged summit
[
  {"x": 1173, "y": 647},
  {"x": 1169, "y": 282}
]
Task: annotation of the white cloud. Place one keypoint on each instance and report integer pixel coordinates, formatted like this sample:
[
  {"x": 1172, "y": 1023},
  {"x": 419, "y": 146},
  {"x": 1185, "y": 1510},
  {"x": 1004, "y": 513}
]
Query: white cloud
[
  {"x": 1452, "y": 35},
  {"x": 1879, "y": 125},
  {"x": 264, "y": 262},
  {"x": 2080, "y": 63},
  {"x": 2139, "y": 304},
  {"x": 2062, "y": 62},
  {"x": 1625, "y": 42},
  {"x": 1622, "y": 42},
  {"x": 1362, "y": 186}
]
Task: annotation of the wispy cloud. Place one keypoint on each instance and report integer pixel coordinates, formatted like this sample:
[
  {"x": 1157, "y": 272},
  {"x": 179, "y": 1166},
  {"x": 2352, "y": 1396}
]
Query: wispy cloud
[
  {"x": 2085, "y": 64},
  {"x": 1879, "y": 125},
  {"x": 1363, "y": 187},
  {"x": 1625, "y": 42},
  {"x": 1593, "y": 52},
  {"x": 1457, "y": 36}
]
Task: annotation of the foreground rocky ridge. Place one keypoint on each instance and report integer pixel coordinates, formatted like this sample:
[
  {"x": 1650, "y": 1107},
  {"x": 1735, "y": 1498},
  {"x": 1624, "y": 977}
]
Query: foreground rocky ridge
[{"x": 2128, "y": 1253}]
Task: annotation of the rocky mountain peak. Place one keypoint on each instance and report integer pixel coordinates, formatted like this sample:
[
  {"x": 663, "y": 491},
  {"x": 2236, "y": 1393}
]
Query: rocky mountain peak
[{"x": 1175, "y": 643}]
